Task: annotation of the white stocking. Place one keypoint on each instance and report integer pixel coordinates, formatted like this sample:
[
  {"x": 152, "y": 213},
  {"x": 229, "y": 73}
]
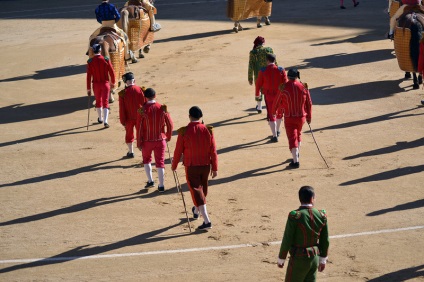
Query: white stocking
[
  {"x": 295, "y": 152},
  {"x": 161, "y": 176},
  {"x": 272, "y": 125},
  {"x": 204, "y": 213},
  {"x": 148, "y": 169}
]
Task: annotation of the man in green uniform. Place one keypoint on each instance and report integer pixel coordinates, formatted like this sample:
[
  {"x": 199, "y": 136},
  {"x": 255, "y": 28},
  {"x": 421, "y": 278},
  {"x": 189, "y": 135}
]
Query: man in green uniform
[
  {"x": 306, "y": 239},
  {"x": 257, "y": 60}
]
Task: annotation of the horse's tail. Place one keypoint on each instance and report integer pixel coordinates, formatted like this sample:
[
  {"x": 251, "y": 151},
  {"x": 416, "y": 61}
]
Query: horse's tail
[
  {"x": 416, "y": 36},
  {"x": 124, "y": 20}
]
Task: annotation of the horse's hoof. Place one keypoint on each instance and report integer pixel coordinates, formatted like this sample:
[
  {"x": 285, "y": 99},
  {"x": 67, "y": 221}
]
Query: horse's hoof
[
  {"x": 146, "y": 49},
  {"x": 141, "y": 56},
  {"x": 134, "y": 61},
  {"x": 235, "y": 29},
  {"x": 407, "y": 75},
  {"x": 111, "y": 100},
  {"x": 422, "y": 102}
]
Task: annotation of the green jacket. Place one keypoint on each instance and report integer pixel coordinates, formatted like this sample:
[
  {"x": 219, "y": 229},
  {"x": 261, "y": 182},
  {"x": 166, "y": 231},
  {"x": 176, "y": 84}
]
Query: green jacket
[
  {"x": 257, "y": 60},
  {"x": 306, "y": 233}
]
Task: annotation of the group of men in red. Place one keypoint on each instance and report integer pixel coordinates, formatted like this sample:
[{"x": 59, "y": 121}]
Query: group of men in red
[{"x": 285, "y": 96}]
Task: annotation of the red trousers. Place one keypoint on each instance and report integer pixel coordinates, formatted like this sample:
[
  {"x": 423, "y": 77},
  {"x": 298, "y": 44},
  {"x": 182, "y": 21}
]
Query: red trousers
[
  {"x": 197, "y": 181},
  {"x": 293, "y": 127},
  {"x": 158, "y": 147},
  {"x": 101, "y": 92},
  {"x": 129, "y": 130},
  {"x": 269, "y": 102}
]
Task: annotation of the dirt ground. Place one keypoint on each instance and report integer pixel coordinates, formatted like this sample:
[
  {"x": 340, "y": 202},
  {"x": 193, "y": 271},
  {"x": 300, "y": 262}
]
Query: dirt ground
[{"x": 71, "y": 206}]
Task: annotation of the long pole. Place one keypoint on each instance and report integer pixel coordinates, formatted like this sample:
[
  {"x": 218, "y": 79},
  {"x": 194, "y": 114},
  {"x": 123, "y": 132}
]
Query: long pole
[
  {"x": 312, "y": 133},
  {"x": 88, "y": 106},
  {"x": 177, "y": 183}
]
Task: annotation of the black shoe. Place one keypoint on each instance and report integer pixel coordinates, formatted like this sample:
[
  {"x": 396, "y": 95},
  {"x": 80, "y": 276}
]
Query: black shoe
[
  {"x": 422, "y": 102},
  {"x": 205, "y": 226},
  {"x": 274, "y": 139},
  {"x": 407, "y": 75},
  {"x": 106, "y": 125},
  {"x": 161, "y": 189},
  {"x": 357, "y": 3},
  {"x": 415, "y": 86},
  {"x": 278, "y": 133},
  {"x": 149, "y": 184},
  {"x": 99, "y": 120},
  {"x": 294, "y": 165},
  {"x": 342, "y": 7},
  {"x": 195, "y": 215},
  {"x": 130, "y": 155},
  {"x": 259, "y": 110}
]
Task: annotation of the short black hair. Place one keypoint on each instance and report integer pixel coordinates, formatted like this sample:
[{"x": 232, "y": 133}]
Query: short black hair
[
  {"x": 306, "y": 193},
  {"x": 271, "y": 57}
]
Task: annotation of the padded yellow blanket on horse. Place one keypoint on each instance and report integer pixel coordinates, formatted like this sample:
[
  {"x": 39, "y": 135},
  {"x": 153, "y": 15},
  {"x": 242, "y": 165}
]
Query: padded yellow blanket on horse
[{"x": 238, "y": 10}]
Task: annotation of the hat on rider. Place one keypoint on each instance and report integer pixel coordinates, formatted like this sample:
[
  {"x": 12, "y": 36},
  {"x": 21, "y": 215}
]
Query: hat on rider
[
  {"x": 258, "y": 41},
  {"x": 149, "y": 93},
  {"x": 293, "y": 73},
  {"x": 127, "y": 76},
  {"x": 411, "y": 2},
  {"x": 96, "y": 48},
  {"x": 195, "y": 112}
]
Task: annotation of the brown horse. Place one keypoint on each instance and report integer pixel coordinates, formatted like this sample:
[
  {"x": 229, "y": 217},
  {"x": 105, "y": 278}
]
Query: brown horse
[
  {"x": 135, "y": 22},
  {"x": 112, "y": 47}
]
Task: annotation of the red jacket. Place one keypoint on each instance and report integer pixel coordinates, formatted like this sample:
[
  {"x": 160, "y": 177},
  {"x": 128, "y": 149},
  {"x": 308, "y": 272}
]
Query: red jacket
[
  {"x": 99, "y": 69},
  {"x": 197, "y": 143},
  {"x": 269, "y": 79},
  {"x": 152, "y": 119},
  {"x": 295, "y": 101},
  {"x": 130, "y": 100}
]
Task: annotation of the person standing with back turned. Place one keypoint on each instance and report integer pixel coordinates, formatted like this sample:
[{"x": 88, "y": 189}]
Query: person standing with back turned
[
  {"x": 197, "y": 143},
  {"x": 306, "y": 239}
]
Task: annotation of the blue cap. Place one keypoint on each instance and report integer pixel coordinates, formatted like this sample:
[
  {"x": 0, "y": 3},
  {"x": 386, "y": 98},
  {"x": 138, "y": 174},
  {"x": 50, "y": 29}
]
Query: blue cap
[{"x": 96, "y": 48}]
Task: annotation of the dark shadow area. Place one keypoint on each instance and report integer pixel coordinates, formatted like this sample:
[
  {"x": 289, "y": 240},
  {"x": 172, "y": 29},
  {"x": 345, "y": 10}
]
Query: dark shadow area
[
  {"x": 22, "y": 112},
  {"x": 408, "y": 206},
  {"x": 327, "y": 95},
  {"x": 361, "y": 38},
  {"x": 243, "y": 146},
  {"x": 69, "y": 173},
  {"x": 248, "y": 174},
  {"x": 143, "y": 194},
  {"x": 46, "y": 136},
  {"x": 344, "y": 60},
  {"x": 387, "y": 175},
  {"x": 50, "y": 73},
  {"x": 195, "y": 36},
  {"x": 391, "y": 149},
  {"x": 86, "y": 250},
  {"x": 379, "y": 118},
  {"x": 401, "y": 275}
]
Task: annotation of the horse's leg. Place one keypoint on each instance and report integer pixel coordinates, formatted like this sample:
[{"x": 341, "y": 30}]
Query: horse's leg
[
  {"x": 140, "y": 54},
  {"x": 235, "y": 28},
  {"x": 416, "y": 85},
  {"x": 407, "y": 75},
  {"x": 146, "y": 48}
]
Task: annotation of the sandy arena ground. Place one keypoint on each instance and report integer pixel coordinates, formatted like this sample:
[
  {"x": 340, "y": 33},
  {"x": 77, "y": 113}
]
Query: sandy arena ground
[{"x": 71, "y": 209}]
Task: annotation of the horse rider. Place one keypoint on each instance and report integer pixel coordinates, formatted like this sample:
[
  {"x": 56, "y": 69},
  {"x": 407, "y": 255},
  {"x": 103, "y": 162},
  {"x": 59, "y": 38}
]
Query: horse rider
[{"x": 107, "y": 15}]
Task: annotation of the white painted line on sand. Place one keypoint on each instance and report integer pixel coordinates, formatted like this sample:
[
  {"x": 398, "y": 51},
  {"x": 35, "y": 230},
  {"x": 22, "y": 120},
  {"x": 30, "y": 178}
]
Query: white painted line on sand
[{"x": 198, "y": 249}]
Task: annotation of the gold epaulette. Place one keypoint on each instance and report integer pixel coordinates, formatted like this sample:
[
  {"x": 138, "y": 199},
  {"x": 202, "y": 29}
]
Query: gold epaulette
[
  {"x": 143, "y": 88},
  {"x": 182, "y": 130},
  {"x": 305, "y": 85},
  {"x": 164, "y": 108},
  {"x": 282, "y": 87},
  {"x": 121, "y": 93},
  {"x": 140, "y": 111},
  {"x": 295, "y": 214},
  {"x": 210, "y": 128}
]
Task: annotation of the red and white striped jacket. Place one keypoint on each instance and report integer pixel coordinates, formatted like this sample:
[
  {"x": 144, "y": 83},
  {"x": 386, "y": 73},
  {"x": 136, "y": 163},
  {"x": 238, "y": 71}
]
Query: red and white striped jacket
[
  {"x": 153, "y": 119},
  {"x": 197, "y": 143},
  {"x": 130, "y": 100},
  {"x": 99, "y": 69},
  {"x": 295, "y": 101}
]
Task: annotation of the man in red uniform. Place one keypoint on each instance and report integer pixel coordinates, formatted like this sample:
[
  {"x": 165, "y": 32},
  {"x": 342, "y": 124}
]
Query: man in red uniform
[
  {"x": 99, "y": 71},
  {"x": 197, "y": 143},
  {"x": 152, "y": 136},
  {"x": 296, "y": 104},
  {"x": 269, "y": 79},
  {"x": 130, "y": 100}
]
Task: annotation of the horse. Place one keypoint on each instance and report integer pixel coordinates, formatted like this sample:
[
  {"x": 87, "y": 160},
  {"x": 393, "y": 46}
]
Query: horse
[
  {"x": 112, "y": 47},
  {"x": 407, "y": 38},
  {"x": 135, "y": 22}
]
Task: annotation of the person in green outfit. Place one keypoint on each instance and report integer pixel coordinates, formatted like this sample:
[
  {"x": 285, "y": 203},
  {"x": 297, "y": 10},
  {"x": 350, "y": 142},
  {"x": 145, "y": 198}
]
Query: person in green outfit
[
  {"x": 306, "y": 239},
  {"x": 257, "y": 60}
]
